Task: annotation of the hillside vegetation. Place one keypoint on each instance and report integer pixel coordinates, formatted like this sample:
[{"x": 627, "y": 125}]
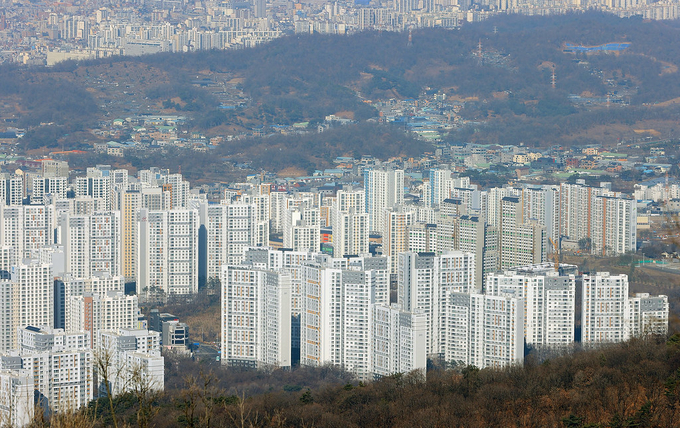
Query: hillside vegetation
[
  {"x": 634, "y": 384},
  {"x": 507, "y": 90}
]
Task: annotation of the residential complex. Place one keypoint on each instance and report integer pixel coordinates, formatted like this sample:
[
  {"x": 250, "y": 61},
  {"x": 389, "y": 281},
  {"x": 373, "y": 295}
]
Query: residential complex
[
  {"x": 376, "y": 280},
  {"x": 97, "y": 30}
]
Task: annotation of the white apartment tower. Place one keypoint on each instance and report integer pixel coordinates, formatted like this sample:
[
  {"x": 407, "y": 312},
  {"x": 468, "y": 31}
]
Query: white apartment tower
[
  {"x": 476, "y": 236},
  {"x": 92, "y": 243},
  {"x": 60, "y": 364},
  {"x": 349, "y": 221},
  {"x": 383, "y": 189},
  {"x": 32, "y": 288},
  {"x": 256, "y": 317},
  {"x": 75, "y": 237},
  {"x": 97, "y": 184},
  {"x": 302, "y": 229},
  {"x": 395, "y": 233},
  {"x": 335, "y": 320},
  {"x": 243, "y": 230},
  {"x": 94, "y": 312},
  {"x": 214, "y": 220},
  {"x": 134, "y": 357},
  {"x": 424, "y": 283},
  {"x": 398, "y": 341},
  {"x": 168, "y": 251},
  {"x": 12, "y": 230},
  {"x": 350, "y": 232},
  {"x": 16, "y": 398},
  {"x": 603, "y": 308},
  {"x": 43, "y": 186},
  {"x": 521, "y": 243},
  {"x": 485, "y": 331},
  {"x": 646, "y": 315},
  {"x": 549, "y": 304},
  {"x": 38, "y": 227},
  {"x": 614, "y": 225}
]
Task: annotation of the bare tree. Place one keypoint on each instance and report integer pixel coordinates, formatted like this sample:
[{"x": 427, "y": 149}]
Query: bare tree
[
  {"x": 146, "y": 391},
  {"x": 108, "y": 368},
  {"x": 241, "y": 418},
  {"x": 189, "y": 399},
  {"x": 207, "y": 395}
]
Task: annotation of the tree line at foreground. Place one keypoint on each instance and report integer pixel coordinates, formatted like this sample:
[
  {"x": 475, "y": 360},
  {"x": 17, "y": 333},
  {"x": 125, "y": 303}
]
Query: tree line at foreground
[{"x": 632, "y": 384}]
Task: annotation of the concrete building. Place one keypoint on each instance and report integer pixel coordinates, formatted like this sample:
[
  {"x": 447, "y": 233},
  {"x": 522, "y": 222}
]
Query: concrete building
[
  {"x": 92, "y": 243},
  {"x": 335, "y": 319},
  {"x": 56, "y": 187},
  {"x": 484, "y": 331},
  {"x": 424, "y": 282},
  {"x": 97, "y": 184},
  {"x": 548, "y": 300},
  {"x": 175, "y": 334},
  {"x": 256, "y": 317},
  {"x": 350, "y": 232},
  {"x": 383, "y": 189},
  {"x": 60, "y": 365},
  {"x": 520, "y": 243},
  {"x": 132, "y": 357},
  {"x": 646, "y": 315},
  {"x": 614, "y": 226},
  {"x": 32, "y": 290},
  {"x": 302, "y": 229},
  {"x": 398, "y": 341},
  {"x": 168, "y": 251},
  {"x": 94, "y": 312},
  {"x": 395, "y": 236},
  {"x": 16, "y": 398},
  {"x": 481, "y": 239},
  {"x": 603, "y": 307}
]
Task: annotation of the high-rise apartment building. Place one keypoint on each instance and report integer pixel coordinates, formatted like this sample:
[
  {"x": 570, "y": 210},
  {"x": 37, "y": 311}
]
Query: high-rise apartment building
[
  {"x": 168, "y": 251},
  {"x": 613, "y": 225},
  {"x": 60, "y": 365},
  {"x": 521, "y": 243},
  {"x": 43, "y": 186},
  {"x": 484, "y": 331},
  {"x": 32, "y": 290},
  {"x": 134, "y": 360},
  {"x": 92, "y": 243},
  {"x": 395, "y": 233},
  {"x": 383, "y": 189},
  {"x": 350, "y": 232},
  {"x": 646, "y": 315},
  {"x": 398, "y": 341},
  {"x": 256, "y": 317},
  {"x": 549, "y": 304},
  {"x": 94, "y": 312},
  {"x": 603, "y": 308},
  {"x": 477, "y": 237},
  {"x": 424, "y": 283},
  {"x": 16, "y": 397},
  {"x": 302, "y": 229}
]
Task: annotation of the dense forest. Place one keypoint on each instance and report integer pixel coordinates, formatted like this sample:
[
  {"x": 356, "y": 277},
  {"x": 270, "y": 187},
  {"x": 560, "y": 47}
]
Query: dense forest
[
  {"x": 633, "y": 384},
  {"x": 507, "y": 89}
]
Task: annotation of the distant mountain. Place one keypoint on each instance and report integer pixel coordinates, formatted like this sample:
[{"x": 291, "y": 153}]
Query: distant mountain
[{"x": 502, "y": 69}]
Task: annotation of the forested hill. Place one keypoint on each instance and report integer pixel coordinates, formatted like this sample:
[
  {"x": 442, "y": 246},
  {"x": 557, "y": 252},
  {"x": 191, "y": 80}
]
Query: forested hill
[
  {"x": 633, "y": 384},
  {"x": 500, "y": 68}
]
